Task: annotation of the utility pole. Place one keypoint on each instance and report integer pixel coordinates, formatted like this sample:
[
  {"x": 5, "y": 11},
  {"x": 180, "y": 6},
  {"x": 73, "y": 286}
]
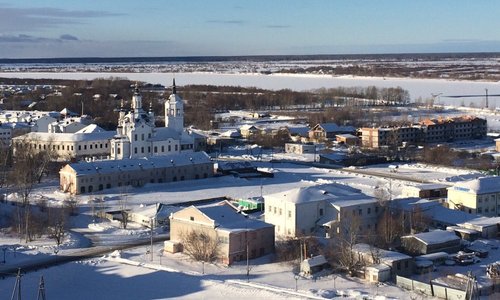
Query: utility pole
[
  {"x": 248, "y": 260},
  {"x": 17, "y": 286},
  {"x": 152, "y": 224},
  {"x": 487, "y": 106},
  {"x": 41, "y": 290}
]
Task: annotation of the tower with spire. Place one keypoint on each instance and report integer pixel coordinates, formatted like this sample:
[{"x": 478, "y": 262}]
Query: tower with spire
[{"x": 174, "y": 111}]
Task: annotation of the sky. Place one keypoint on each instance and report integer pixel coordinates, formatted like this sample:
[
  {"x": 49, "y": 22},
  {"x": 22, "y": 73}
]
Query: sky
[{"x": 114, "y": 28}]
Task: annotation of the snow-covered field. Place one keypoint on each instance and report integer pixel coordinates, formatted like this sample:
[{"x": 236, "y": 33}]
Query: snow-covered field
[{"x": 418, "y": 88}]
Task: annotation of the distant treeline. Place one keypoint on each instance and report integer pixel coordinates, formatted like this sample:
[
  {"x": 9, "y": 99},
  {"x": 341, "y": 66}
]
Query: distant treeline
[
  {"x": 100, "y": 98},
  {"x": 255, "y": 58}
]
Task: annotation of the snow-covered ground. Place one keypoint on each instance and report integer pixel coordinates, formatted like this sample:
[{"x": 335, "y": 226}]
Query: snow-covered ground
[{"x": 118, "y": 278}]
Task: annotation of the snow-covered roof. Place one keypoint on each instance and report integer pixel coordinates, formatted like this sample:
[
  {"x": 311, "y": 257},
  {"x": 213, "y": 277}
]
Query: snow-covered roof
[
  {"x": 90, "y": 129},
  {"x": 434, "y": 210},
  {"x": 127, "y": 165},
  {"x": 435, "y": 237},
  {"x": 332, "y": 127},
  {"x": 482, "y": 222},
  {"x": 315, "y": 261},
  {"x": 228, "y": 218},
  {"x": 67, "y": 137},
  {"x": 301, "y": 131},
  {"x": 432, "y": 256},
  {"x": 481, "y": 185},
  {"x": 386, "y": 256},
  {"x": 158, "y": 210},
  {"x": 164, "y": 133},
  {"x": 327, "y": 192},
  {"x": 428, "y": 186}
]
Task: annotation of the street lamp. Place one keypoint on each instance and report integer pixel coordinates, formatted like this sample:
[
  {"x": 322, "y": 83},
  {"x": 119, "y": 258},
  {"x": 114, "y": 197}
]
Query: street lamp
[
  {"x": 334, "y": 278},
  {"x": 296, "y": 281},
  {"x": 203, "y": 267}
]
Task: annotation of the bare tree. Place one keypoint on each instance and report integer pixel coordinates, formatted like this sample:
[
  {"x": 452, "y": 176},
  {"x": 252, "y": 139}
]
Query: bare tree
[
  {"x": 349, "y": 234},
  {"x": 200, "y": 245},
  {"x": 28, "y": 167},
  {"x": 123, "y": 207},
  {"x": 58, "y": 224}
]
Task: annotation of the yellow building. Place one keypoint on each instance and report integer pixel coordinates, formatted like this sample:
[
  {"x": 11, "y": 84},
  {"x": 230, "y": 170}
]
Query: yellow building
[{"x": 478, "y": 196}]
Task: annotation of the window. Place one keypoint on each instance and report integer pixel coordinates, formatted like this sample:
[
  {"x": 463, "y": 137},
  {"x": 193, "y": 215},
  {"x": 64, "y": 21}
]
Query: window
[
  {"x": 398, "y": 265},
  {"x": 369, "y": 210},
  {"x": 289, "y": 213},
  {"x": 360, "y": 212},
  {"x": 275, "y": 209},
  {"x": 191, "y": 218},
  {"x": 156, "y": 149},
  {"x": 280, "y": 211},
  {"x": 135, "y": 150},
  {"x": 176, "y": 148},
  {"x": 320, "y": 211},
  {"x": 142, "y": 149}
]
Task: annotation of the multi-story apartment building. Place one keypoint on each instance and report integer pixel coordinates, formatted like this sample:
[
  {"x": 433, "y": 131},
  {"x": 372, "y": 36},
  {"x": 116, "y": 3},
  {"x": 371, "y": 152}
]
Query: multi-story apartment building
[{"x": 427, "y": 131}]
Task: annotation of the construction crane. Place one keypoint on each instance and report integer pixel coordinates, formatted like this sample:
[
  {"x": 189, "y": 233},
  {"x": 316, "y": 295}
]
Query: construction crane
[{"x": 486, "y": 95}]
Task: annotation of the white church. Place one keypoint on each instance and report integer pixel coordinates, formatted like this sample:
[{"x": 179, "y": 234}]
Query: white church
[
  {"x": 142, "y": 153},
  {"x": 137, "y": 136}
]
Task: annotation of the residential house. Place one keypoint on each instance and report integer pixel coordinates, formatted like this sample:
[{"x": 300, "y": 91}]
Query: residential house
[
  {"x": 157, "y": 214},
  {"x": 328, "y": 131},
  {"x": 479, "y": 196},
  {"x": 248, "y": 131},
  {"x": 431, "y": 242},
  {"x": 320, "y": 210},
  {"x": 238, "y": 236}
]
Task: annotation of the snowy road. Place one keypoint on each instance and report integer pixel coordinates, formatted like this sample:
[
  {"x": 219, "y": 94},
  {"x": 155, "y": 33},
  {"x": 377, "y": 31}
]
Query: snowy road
[{"x": 78, "y": 254}]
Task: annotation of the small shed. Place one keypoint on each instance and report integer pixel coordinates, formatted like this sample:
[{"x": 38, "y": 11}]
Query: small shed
[
  {"x": 313, "y": 265},
  {"x": 378, "y": 273},
  {"x": 251, "y": 204},
  {"x": 347, "y": 139},
  {"x": 431, "y": 242},
  {"x": 426, "y": 191}
]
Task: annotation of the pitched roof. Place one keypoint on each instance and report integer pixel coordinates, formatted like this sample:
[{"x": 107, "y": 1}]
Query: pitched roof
[
  {"x": 226, "y": 217},
  {"x": 126, "y": 165},
  {"x": 435, "y": 237},
  {"x": 334, "y": 193}
]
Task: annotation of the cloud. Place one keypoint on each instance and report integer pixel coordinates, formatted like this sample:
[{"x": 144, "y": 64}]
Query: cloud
[
  {"x": 37, "y": 18},
  {"x": 277, "y": 26},
  {"x": 229, "y": 22},
  {"x": 30, "y": 39},
  {"x": 68, "y": 37}
]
